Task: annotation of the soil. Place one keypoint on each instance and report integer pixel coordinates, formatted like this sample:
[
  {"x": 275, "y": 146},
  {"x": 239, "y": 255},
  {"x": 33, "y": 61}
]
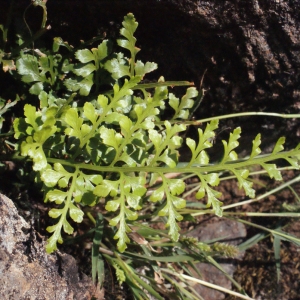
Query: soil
[{"x": 257, "y": 271}]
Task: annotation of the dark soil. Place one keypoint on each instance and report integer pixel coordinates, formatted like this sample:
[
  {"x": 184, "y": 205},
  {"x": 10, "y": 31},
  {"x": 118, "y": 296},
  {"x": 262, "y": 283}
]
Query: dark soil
[{"x": 257, "y": 271}]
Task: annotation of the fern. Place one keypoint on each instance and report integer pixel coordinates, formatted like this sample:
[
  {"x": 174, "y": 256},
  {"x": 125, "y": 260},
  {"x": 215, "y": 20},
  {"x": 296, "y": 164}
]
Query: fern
[{"x": 104, "y": 146}]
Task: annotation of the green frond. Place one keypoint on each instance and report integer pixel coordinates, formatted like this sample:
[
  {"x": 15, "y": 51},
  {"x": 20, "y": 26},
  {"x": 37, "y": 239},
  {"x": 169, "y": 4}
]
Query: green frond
[{"x": 112, "y": 147}]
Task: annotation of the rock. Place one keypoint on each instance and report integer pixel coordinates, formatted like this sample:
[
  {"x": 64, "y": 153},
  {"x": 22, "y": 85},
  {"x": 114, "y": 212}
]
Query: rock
[
  {"x": 248, "y": 50},
  {"x": 28, "y": 272},
  {"x": 230, "y": 232}
]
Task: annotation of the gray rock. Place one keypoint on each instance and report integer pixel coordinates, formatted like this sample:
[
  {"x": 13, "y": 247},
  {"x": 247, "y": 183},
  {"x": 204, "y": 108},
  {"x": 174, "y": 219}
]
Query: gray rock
[
  {"x": 28, "y": 272},
  {"x": 230, "y": 232}
]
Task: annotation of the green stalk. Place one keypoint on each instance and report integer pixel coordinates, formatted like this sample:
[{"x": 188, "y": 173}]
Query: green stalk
[
  {"x": 134, "y": 278},
  {"x": 205, "y": 283},
  {"x": 273, "y": 191},
  {"x": 192, "y": 169},
  {"x": 246, "y": 114},
  {"x": 273, "y": 232},
  {"x": 153, "y": 85},
  {"x": 224, "y": 208},
  {"x": 258, "y": 214},
  {"x": 180, "y": 287},
  {"x": 236, "y": 115}
]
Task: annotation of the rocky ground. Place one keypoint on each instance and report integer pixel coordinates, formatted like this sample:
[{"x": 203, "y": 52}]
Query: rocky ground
[{"x": 254, "y": 269}]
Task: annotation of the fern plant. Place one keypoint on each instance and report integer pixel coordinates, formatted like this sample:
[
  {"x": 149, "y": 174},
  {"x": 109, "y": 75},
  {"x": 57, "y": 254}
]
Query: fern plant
[
  {"x": 107, "y": 147},
  {"x": 95, "y": 146}
]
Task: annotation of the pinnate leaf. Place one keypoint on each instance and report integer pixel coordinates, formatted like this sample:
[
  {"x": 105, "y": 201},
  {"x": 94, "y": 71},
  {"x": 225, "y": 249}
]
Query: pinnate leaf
[
  {"x": 176, "y": 186},
  {"x": 107, "y": 187},
  {"x": 56, "y": 195},
  {"x": 55, "y": 213},
  {"x": 35, "y": 152},
  {"x": 122, "y": 236},
  {"x": 141, "y": 69},
  {"x": 199, "y": 156},
  {"x": 255, "y": 148},
  {"x": 56, "y": 237},
  {"x": 84, "y": 55},
  {"x": 67, "y": 227},
  {"x": 75, "y": 213},
  {"x": 182, "y": 107},
  {"x": 170, "y": 211},
  {"x": 212, "y": 200},
  {"x": 157, "y": 194},
  {"x": 50, "y": 177},
  {"x": 279, "y": 145},
  {"x": 90, "y": 112},
  {"x": 229, "y": 154},
  {"x": 119, "y": 131},
  {"x": 129, "y": 28},
  {"x": 272, "y": 171},
  {"x": 212, "y": 195},
  {"x": 110, "y": 137},
  {"x": 84, "y": 70},
  {"x": 82, "y": 85},
  {"x": 103, "y": 50},
  {"x": 28, "y": 66},
  {"x": 242, "y": 176},
  {"x": 112, "y": 205},
  {"x": 117, "y": 67}
]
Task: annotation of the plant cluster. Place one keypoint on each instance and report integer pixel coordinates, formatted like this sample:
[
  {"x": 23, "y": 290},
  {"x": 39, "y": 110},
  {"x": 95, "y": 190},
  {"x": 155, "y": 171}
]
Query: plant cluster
[{"x": 98, "y": 139}]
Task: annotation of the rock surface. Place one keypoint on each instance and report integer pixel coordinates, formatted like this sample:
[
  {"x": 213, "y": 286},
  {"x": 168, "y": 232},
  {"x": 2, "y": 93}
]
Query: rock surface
[
  {"x": 27, "y": 272},
  {"x": 230, "y": 232},
  {"x": 248, "y": 50}
]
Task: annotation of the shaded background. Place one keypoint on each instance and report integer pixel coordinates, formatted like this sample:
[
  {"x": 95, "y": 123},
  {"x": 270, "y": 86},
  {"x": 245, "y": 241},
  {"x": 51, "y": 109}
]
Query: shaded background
[{"x": 248, "y": 50}]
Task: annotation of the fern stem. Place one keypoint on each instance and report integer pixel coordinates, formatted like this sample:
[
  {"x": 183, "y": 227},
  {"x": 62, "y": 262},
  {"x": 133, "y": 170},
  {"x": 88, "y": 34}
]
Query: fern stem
[
  {"x": 245, "y": 114},
  {"x": 193, "y": 169},
  {"x": 273, "y": 191},
  {"x": 237, "y": 115}
]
